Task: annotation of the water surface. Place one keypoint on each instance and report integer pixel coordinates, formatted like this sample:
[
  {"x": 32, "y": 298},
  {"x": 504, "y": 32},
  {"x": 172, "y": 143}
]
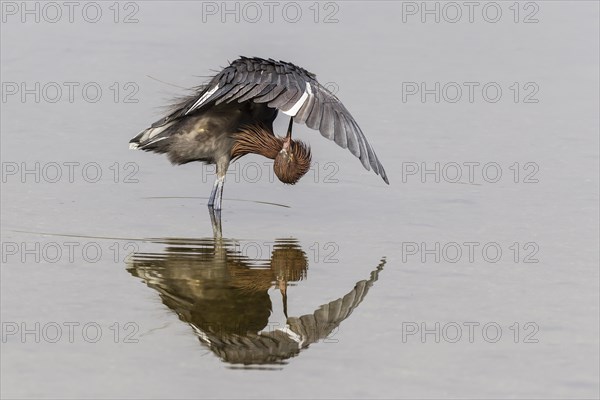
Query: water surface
[{"x": 118, "y": 286}]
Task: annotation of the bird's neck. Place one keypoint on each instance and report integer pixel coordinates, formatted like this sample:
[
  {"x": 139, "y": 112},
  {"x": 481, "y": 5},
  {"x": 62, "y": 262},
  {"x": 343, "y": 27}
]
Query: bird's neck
[{"x": 256, "y": 139}]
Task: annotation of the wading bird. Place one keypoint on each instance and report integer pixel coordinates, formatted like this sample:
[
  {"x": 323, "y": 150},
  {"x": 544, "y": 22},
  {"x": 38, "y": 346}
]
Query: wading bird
[{"x": 233, "y": 116}]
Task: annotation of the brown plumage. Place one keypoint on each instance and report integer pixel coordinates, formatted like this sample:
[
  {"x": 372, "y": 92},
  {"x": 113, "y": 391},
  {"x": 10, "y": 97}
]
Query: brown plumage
[{"x": 292, "y": 158}]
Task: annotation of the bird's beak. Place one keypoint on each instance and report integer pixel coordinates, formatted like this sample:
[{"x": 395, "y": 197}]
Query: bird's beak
[{"x": 286, "y": 144}]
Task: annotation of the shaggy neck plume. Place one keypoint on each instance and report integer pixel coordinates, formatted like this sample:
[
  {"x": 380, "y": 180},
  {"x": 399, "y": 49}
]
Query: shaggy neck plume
[
  {"x": 256, "y": 139},
  {"x": 292, "y": 158}
]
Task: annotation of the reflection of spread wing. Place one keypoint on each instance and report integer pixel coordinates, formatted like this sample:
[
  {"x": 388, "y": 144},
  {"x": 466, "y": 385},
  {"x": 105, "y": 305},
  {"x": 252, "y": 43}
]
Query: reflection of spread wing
[
  {"x": 267, "y": 348},
  {"x": 276, "y": 346},
  {"x": 319, "y": 325}
]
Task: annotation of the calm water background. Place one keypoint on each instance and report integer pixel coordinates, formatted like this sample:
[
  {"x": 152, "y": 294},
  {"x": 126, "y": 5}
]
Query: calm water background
[{"x": 370, "y": 54}]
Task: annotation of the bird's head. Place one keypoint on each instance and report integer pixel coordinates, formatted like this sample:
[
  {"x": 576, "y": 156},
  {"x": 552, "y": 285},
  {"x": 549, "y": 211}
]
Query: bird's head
[
  {"x": 292, "y": 158},
  {"x": 292, "y": 162}
]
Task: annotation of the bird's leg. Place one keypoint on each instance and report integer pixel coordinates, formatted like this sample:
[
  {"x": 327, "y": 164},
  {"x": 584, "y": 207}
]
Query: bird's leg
[
  {"x": 216, "y": 196},
  {"x": 219, "y": 192},
  {"x": 213, "y": 193}
]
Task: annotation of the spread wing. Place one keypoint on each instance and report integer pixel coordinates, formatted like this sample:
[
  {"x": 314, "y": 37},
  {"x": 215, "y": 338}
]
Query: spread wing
[{"x": 295, "y": 92}]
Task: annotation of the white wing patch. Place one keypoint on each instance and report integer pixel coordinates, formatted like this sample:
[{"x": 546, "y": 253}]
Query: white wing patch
[
  {"x": 296, "y": 107},
  {"x": 202, "y": 99},
  {"x": 151, "y": 132},
  {"x": 201, "y": 334},
  {"x": 292, "y": 335},
  {"x": 148, "y": 135}
]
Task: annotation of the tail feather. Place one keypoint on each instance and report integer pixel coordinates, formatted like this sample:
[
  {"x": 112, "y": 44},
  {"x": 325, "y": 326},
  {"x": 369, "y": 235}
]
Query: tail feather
[{"x": 153, "y": 139}]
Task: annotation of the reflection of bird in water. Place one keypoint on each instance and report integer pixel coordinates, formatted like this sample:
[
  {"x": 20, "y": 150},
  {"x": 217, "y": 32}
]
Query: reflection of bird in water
[
  {"x": 223, "y": 295},
  {"x": 233, "y": 116}
]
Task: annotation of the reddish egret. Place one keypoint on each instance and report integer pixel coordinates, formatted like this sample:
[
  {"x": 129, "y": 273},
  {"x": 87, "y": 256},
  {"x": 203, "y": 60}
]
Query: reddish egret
[{"x": 233, "y": 116}]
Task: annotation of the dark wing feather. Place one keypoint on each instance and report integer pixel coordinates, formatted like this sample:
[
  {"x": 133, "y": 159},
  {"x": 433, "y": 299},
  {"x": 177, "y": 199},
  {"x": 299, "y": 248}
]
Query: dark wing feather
[
  {"x": 292, "y": 90},
  {"x": 272, "y": 94}
]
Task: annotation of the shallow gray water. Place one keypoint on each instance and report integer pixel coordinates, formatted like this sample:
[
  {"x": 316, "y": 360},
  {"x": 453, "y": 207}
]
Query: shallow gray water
[{"x": 436, "y": 286}]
